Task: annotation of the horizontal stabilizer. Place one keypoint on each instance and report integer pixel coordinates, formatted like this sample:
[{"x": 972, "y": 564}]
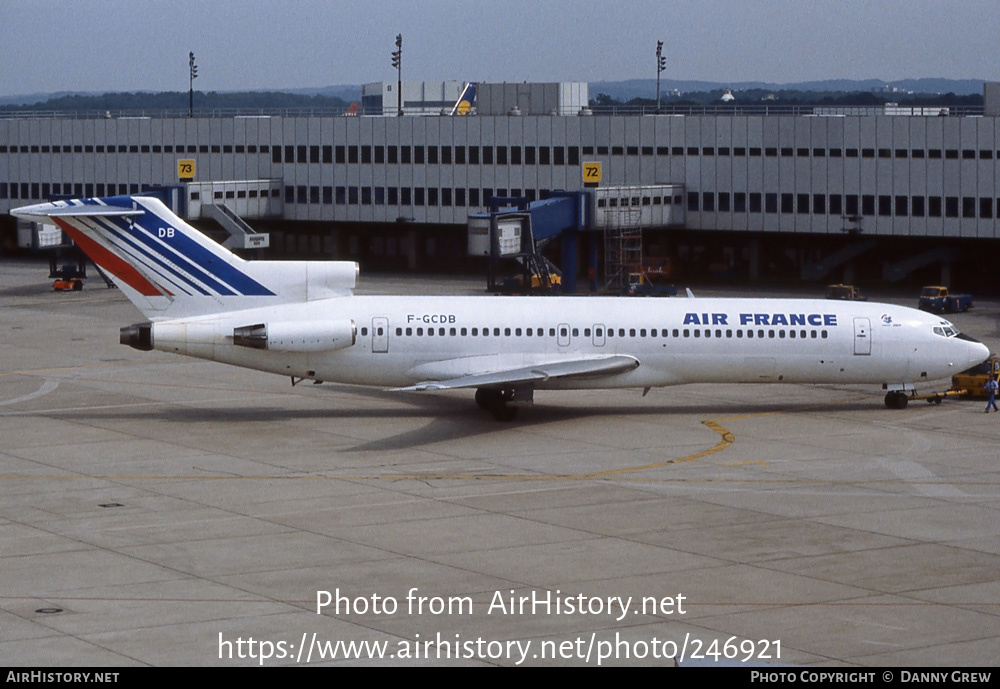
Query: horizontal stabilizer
[
  {"x": 575, "y": 368},
  {"x": 54, "y": 210}
]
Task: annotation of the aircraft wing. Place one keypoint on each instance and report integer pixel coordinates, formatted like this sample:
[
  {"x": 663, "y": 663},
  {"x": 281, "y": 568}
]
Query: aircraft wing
[{"x": 574, "y": 368}]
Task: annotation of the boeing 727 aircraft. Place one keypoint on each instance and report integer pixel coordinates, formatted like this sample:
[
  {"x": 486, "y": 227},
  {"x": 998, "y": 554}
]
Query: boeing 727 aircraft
[{"x": 301, "y": 319}]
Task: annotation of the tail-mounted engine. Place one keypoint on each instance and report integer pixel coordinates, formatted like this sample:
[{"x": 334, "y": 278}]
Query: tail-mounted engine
[
  {"x": 138, "y": 336},
  {"x": 297, "y": 337}
]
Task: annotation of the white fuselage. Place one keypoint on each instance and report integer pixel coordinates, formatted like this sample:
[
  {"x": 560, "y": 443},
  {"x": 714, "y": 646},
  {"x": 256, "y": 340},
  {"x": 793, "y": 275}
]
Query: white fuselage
[{"x": 403, "y": 341}]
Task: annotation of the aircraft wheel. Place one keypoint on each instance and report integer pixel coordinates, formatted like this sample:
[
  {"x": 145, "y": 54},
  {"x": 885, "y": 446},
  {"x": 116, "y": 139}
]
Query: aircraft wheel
[
  {"x": 486, "y": 398},
  {"x": 896, "y": 400},
  {"x": 495, "y": 402}
]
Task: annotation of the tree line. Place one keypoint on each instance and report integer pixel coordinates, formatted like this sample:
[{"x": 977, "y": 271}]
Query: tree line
[{"x": 178, "y": 100}]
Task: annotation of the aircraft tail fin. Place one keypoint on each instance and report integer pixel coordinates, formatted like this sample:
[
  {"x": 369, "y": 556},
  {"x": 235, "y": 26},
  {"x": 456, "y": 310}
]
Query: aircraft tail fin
[
  {"x": 463, "y": 106},
  {"x": 169, "y": 269}
]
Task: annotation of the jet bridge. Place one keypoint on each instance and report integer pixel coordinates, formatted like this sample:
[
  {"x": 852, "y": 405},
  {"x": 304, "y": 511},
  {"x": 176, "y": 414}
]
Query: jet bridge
[{"x": 519, "y": 228}]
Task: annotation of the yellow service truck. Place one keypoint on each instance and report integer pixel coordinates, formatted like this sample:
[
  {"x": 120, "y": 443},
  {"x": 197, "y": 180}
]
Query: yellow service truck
[{"x": 972, "y": 382}]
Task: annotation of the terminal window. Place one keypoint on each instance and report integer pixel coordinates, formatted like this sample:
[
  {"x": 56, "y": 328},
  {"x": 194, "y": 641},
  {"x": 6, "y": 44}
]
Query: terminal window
[{"x": 951, "y": 207}]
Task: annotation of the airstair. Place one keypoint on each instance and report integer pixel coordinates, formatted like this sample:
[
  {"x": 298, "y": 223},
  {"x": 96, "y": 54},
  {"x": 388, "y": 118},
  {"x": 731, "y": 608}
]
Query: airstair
[{"x": 241, "y": 235}]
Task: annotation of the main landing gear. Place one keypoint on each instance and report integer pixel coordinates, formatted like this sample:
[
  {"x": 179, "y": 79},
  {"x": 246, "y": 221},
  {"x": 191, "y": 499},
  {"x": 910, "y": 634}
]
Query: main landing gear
[
  {"x": 495, "y": 402},
  {"x": 896, "y": 399}
]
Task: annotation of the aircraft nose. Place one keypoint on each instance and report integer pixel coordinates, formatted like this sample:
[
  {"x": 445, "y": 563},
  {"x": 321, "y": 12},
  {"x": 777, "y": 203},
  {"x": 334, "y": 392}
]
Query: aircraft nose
[{"x": 978, "y": 352}]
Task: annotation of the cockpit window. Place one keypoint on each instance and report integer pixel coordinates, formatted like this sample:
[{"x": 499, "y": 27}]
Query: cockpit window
[{"x": 946, "y": 329}]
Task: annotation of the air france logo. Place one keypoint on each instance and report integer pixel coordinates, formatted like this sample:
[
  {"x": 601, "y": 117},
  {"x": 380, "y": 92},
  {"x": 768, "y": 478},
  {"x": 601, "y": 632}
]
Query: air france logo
[{"x": 771, "y": 319}]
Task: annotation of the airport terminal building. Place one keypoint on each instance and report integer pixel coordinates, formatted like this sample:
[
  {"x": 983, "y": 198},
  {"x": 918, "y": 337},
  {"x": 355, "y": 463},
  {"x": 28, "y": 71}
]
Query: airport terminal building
[{"x": 885, "y": 193}]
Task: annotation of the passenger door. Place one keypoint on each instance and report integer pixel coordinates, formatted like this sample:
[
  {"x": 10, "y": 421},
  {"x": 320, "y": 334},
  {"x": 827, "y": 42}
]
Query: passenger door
[{"x": 862, "y": 337}]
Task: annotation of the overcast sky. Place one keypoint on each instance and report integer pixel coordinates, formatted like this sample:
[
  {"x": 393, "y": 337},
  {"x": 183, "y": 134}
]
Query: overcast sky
[{"x": 129, "y": 45}]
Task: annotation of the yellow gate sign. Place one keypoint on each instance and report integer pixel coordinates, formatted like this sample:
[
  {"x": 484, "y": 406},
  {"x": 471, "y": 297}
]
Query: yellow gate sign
[
  {"x": 185, "y": 170},
  {"x": 591, "y": 174}
]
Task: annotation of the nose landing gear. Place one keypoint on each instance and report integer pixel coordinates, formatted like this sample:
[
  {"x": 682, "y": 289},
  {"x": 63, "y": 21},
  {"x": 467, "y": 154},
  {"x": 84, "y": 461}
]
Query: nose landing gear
[{"x": 896, "y": 399}]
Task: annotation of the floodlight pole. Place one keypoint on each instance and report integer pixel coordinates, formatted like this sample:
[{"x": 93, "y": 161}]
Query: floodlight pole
[
  {"x": 397, "y": 62},
  {"x": 192, "y": 75},
  {"x": 661, "y": 64}
]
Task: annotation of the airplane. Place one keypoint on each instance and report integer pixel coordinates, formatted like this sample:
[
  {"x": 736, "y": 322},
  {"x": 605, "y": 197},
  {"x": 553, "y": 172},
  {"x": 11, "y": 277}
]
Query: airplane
[
  {"x": 301, "y": 319},
  {"x": 463, "y": 106}
]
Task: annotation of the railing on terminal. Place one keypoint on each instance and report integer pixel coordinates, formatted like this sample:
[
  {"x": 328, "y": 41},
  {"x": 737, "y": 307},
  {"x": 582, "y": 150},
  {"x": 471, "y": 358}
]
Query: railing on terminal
[{"x": 721, "y": 109}]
